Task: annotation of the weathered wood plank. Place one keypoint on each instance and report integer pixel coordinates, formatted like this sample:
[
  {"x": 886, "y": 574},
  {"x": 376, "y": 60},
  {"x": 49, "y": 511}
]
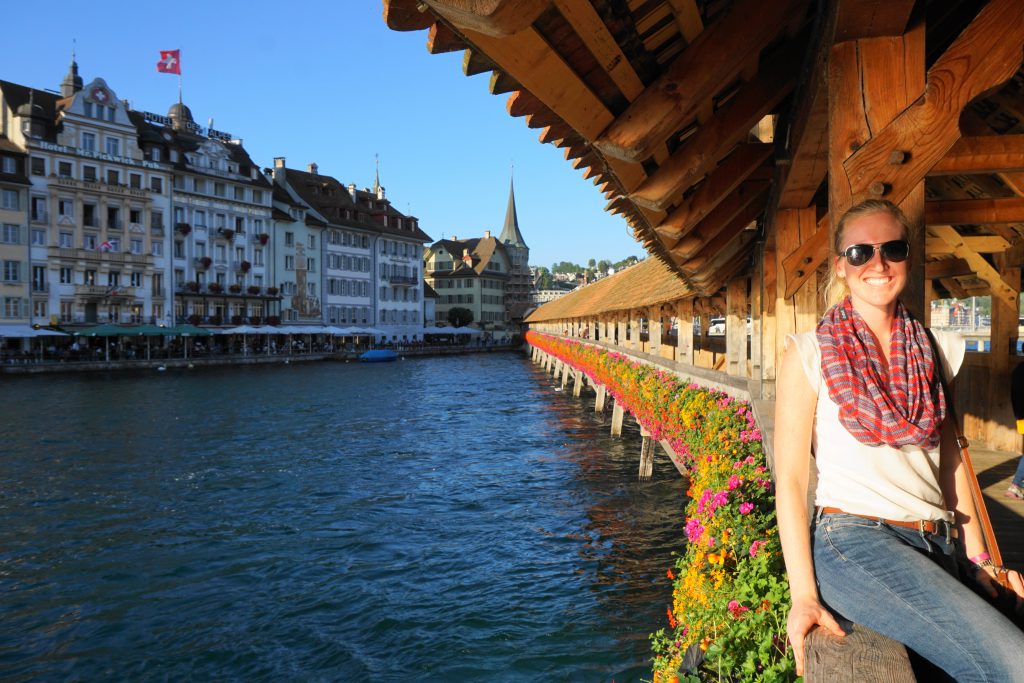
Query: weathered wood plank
[
  {"x": 717, "y": 56},
  {"x": 594, "y": 34},
  {"x": 982, "y": 154},
  {"x": 736, "y": 302},
  {"x": 947, "y": 268},
  {"x": 860, "y": 655},
  {"x": 1001, "y": 290},
  {"x": 805, "y": 259},
  {"x": 740, "y": 208},
  {"x": 986, "y": 54},
  {"x": 498, "y": 18},
  {"x": 403, "y": 15},
  {"x": 687, "y": 18},
  {"x": 983, "y": 244},
  {"x": 974, "y": 211},
  {"x": 441, "y": 39}
]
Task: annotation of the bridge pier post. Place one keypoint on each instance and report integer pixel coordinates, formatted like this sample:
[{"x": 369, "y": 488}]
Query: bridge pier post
[
  {"x": 577, "y": 387},
  {"x": 617, "y": 413},
  {"x": 646, "y": 458},
  {"x": 602, "y": 392},
  {"x": 565, "y": 375}
]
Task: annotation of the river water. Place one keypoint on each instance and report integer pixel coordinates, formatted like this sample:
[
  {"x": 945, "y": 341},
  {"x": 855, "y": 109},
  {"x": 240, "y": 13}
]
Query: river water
[{"x": 442, "y": 519}]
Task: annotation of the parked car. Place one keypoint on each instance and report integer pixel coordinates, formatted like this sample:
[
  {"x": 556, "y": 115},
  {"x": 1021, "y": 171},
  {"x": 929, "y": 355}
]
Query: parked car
[{"x": 716, "y": 327}]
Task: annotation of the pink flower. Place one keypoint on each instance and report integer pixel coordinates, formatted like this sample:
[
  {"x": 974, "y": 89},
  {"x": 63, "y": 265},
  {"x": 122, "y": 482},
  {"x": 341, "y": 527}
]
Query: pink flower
[
  {"x": 711, "y": 541},
  {"x": 721, "y": 498},
  {"x": 745, "y": 508},
  {"x": 736, "y": 608},
  {"x": 755, "y": 546},
  {"x": 734, "y": 482},
  {"x": 694, "y": 529}
]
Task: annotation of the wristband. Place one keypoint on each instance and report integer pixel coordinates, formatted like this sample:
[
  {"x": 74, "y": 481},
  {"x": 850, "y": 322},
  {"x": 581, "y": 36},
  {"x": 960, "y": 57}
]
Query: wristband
[{"x": 981, "y": 558}]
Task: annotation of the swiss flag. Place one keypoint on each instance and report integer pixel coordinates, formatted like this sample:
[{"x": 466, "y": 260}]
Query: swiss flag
[{"x": 170, "y": 62}]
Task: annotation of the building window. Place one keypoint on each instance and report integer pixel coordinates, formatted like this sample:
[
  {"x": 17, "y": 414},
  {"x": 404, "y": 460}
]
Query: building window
[
  {"x": 38, "y": 278},
  {"x": 114, "y": 278},
  {"x": 113, "y": 177},
  {"x": 89, "y": 174},
  {"x": 89, "y": 242},
  {"x": 10, "y": 234},
  {"x": 12, "y": 307},
  {"x": 12, "y": 271},
  {"x": 136, "y": 279},
  {"x": 39, "y": 237},
  {"x": 158, "y": 248},
  {"x": 66, "y": 309},
  {"x": 311, "y": 265},
  {"x": 66, "y": 275},
  {"x": 289, "y": 263},
  {"x": 156, "y": 185},
  {"x": 257, "y": 257},
  {"x": 9, "y": 200},
  {"x": 257, "y": 197},
  {"x": 67, "y": 240},
  {"x": 135, "y": 181},
  {"x": 136, "y": 246},
  {"x": 113, "y": 147},
  {"x": 10, "y": 165},
  {"x": 312, "y": 241},
  {"x": 179, "y": 249},
  {"x": 239, "y": 193},
  {"x": 64, "y": 169},
  {"x": 289, "y": 239},
  {"x": 38, "y": 166},
  {"x": 89, "y": 142},
  {"x": 218, "y": 189}
]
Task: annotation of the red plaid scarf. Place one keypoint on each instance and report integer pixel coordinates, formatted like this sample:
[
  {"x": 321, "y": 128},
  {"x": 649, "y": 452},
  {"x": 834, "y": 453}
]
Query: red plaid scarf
[{"x": 905, "y": 408}]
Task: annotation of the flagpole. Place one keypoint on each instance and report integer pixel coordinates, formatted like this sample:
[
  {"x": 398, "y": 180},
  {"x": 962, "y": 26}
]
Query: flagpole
[{"x": 179, "y": 76}]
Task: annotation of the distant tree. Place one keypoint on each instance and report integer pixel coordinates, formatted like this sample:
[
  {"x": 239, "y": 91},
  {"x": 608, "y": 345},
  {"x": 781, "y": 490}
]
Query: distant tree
[
  {"x": 591, "y": 264},
  {"x": 566, "y": 267},
  {"x": 543, "y": 278},
  {"x": 458, "y": 317},
  {"x": 603, "y": 265}
]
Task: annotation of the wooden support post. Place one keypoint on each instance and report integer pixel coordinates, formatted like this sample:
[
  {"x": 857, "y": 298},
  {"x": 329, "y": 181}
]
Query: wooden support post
[
  {"x": 799, "y": 313},
  {"x": 736, "y": 327},
  {"x": 599, "y": 400},
  {"x": 577, "y": 386},
  {"x": 634, "y": 330},
  {"x": 565, "y": 375},
  {"x": 684, "y": 342},
  {"x": 617, "y": 414},
  {"x": 1001, "y": 432},
  {"x": 620, "y": 330},
  {"x": 647, "y": 445},
  {"x": 654, "y": 330}
]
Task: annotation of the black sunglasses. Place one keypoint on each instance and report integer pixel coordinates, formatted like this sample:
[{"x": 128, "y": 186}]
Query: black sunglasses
[{"x": 893, "y": 250}]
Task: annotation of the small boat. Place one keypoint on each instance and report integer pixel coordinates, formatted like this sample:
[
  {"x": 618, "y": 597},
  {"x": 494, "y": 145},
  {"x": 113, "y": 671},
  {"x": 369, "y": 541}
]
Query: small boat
[{"x": 378, "y": 356}]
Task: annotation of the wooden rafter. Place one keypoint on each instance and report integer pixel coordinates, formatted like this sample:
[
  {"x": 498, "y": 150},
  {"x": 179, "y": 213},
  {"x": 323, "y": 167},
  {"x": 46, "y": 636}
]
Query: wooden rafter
[
  {"x": 871, "y": 18},
  {"x": 741, "y": 207},
  {"x": 974, "y": 211},
  {"x": 721, "y": 182},
  {"x": 983, "y": 244},
  {"x": 719, "y": 136},
  {"x": 404, "y": 15},
  {"x": 441, "y": 39},
  {"x": 716, "y": 57},
  {"x": 805, "y": 259},
  {"x": 982, "y": 154},
  {"x": 1000, "y": 288},
  {"x": 497, "y": 18},
  {"x": 687, "y": 18},
  {"x": 594, "y": 34},
  {"x": 947, "y": 268},
  {"x": 986, "y": 54},
  {"x": 743, "y": 196}
]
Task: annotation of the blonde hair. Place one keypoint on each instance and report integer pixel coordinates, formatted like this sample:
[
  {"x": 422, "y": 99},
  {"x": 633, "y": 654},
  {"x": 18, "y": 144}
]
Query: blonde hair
[{"x": 835, "y": 286}]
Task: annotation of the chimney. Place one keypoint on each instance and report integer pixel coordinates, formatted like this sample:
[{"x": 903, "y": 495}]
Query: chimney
[
  {"x": 279, "y": 162},
  {"x": 454, "y": 238},
  {"x": 352, "y": 192},
  {"x": 279, "y": 170},
  {"x": 467, "y": 258},
  {"x": 312, "y": 168},
  {"x": 487, "y": 234}
]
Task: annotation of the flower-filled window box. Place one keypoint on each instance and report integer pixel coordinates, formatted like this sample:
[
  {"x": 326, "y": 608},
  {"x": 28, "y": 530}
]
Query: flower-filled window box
[
  {"x": 274, "y": 320},
  {"x": 272, "y": 291},
  {"x": 264, "y": 238},
  {"x": 235, "y": 288},
  {"x": 183, "y": 228},
  {"x": 245, "y": 266},
  {"x": 226, "y": 233},
  {"x": 216, "y": 320},
  {"x": 255, "y": 320},
  {"x": 205, "y": 262},
  {"x": 253, "y": 289},
  {"x": 215, "y": 287},
  {"x": 192, "y": 286}
]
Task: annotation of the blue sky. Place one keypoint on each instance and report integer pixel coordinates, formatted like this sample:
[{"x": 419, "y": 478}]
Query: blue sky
[{"x": 328, "y": 82}]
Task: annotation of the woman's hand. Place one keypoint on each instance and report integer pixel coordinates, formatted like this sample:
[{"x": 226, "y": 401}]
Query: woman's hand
[
  {"x": 803, "y": 616},
  {"x": 986, "y": 577}
]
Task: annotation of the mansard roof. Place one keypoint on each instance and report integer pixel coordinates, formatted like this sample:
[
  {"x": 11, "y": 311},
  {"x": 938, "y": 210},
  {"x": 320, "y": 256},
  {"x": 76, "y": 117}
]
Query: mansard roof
[
  {"x": 481, "y": 249},
  {"x": 329, "y": 197},
  {"x": 16, "y": 95}
]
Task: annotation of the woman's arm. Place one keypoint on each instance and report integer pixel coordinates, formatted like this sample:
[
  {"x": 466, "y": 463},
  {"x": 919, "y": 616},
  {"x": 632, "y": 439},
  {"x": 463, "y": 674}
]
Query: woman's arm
[{"x": 795, "y": 403}]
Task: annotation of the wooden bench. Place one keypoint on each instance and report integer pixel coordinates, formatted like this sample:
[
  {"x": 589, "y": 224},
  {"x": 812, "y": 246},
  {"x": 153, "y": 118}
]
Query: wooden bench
[{"x": 861, "y": 655}]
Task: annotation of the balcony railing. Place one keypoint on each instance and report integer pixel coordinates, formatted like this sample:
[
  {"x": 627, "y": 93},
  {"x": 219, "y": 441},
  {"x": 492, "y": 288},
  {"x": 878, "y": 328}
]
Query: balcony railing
[
  {"x": 104, "y": 291},
  {"x": 402, "y": 280},
  {"x": 114, "y": 224},
  {"x": 40, "y": 217}
]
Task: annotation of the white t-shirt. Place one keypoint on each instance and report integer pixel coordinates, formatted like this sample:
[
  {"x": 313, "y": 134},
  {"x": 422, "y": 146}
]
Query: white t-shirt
[{"x": 901, "y": 484}]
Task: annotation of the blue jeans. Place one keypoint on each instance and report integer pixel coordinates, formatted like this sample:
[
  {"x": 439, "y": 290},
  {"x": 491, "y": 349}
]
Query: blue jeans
[
  {"x": 1018, "y": 476},
  {"x": 902, "y": 584}
]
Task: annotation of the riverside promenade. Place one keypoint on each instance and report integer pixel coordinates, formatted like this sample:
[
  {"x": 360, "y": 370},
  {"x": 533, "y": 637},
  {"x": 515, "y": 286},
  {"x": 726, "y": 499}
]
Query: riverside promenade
[{"x": 36, "y": 366}]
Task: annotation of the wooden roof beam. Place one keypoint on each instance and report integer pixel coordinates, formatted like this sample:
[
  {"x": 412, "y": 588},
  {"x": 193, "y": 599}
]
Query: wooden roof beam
[
  {"x": 984, "y": 55},
  {"x": 687, "y": 18},
  {"x": 730, "y": 125},
  {"x": 742, "y": 206},
  {"x": 719, "y": 184},
  {"x": 947, "y": 268},
  {"x": 502, "y": 83},
  {"x": 974, "y": 211},
  {"x": 872, "y": 18},
  {"x": 983, "y": 244},
  {"x": 1000, "y": 288},
  {"x": 713, "y": 60},
  {"x": 475, "y": 62},
  {"x": 496, "y": 18},
  {"x": 982, "y": 154},
  {"x": 805, "y": 259},
  {"x": 441, "y": 39},
  {"x": 704, "y": 268},
  {"x": 954, "y": 288},
  {"x": 595, "y": 35},
  {"x": 404, "y": 15},
  {"x": 556, "y": 131},
  {"x": 972, "y": 124}
]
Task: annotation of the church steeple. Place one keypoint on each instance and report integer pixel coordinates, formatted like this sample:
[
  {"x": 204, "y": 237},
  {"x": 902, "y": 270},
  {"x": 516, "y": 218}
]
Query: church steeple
[
  {"x": 72, "y": 83},
  {"x": 378, "y": 189},
  {"x": 510, "y": 232}
]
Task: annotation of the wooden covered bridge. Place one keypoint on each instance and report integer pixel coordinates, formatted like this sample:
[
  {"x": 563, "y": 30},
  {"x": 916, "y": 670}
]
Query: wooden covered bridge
[{"x": 729, "y": 134}]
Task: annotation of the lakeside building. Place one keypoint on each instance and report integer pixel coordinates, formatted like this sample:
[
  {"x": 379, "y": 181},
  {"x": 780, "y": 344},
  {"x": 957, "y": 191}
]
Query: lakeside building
[
  {"x": 472, "y": 274},
  {"x": 372, "y": 253},
  {"x": 95, "y": 206},
  {"x": 14, "y": 240},
  {"x": 297, "y": 237},
  {"x": 220, "y": 208}
]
